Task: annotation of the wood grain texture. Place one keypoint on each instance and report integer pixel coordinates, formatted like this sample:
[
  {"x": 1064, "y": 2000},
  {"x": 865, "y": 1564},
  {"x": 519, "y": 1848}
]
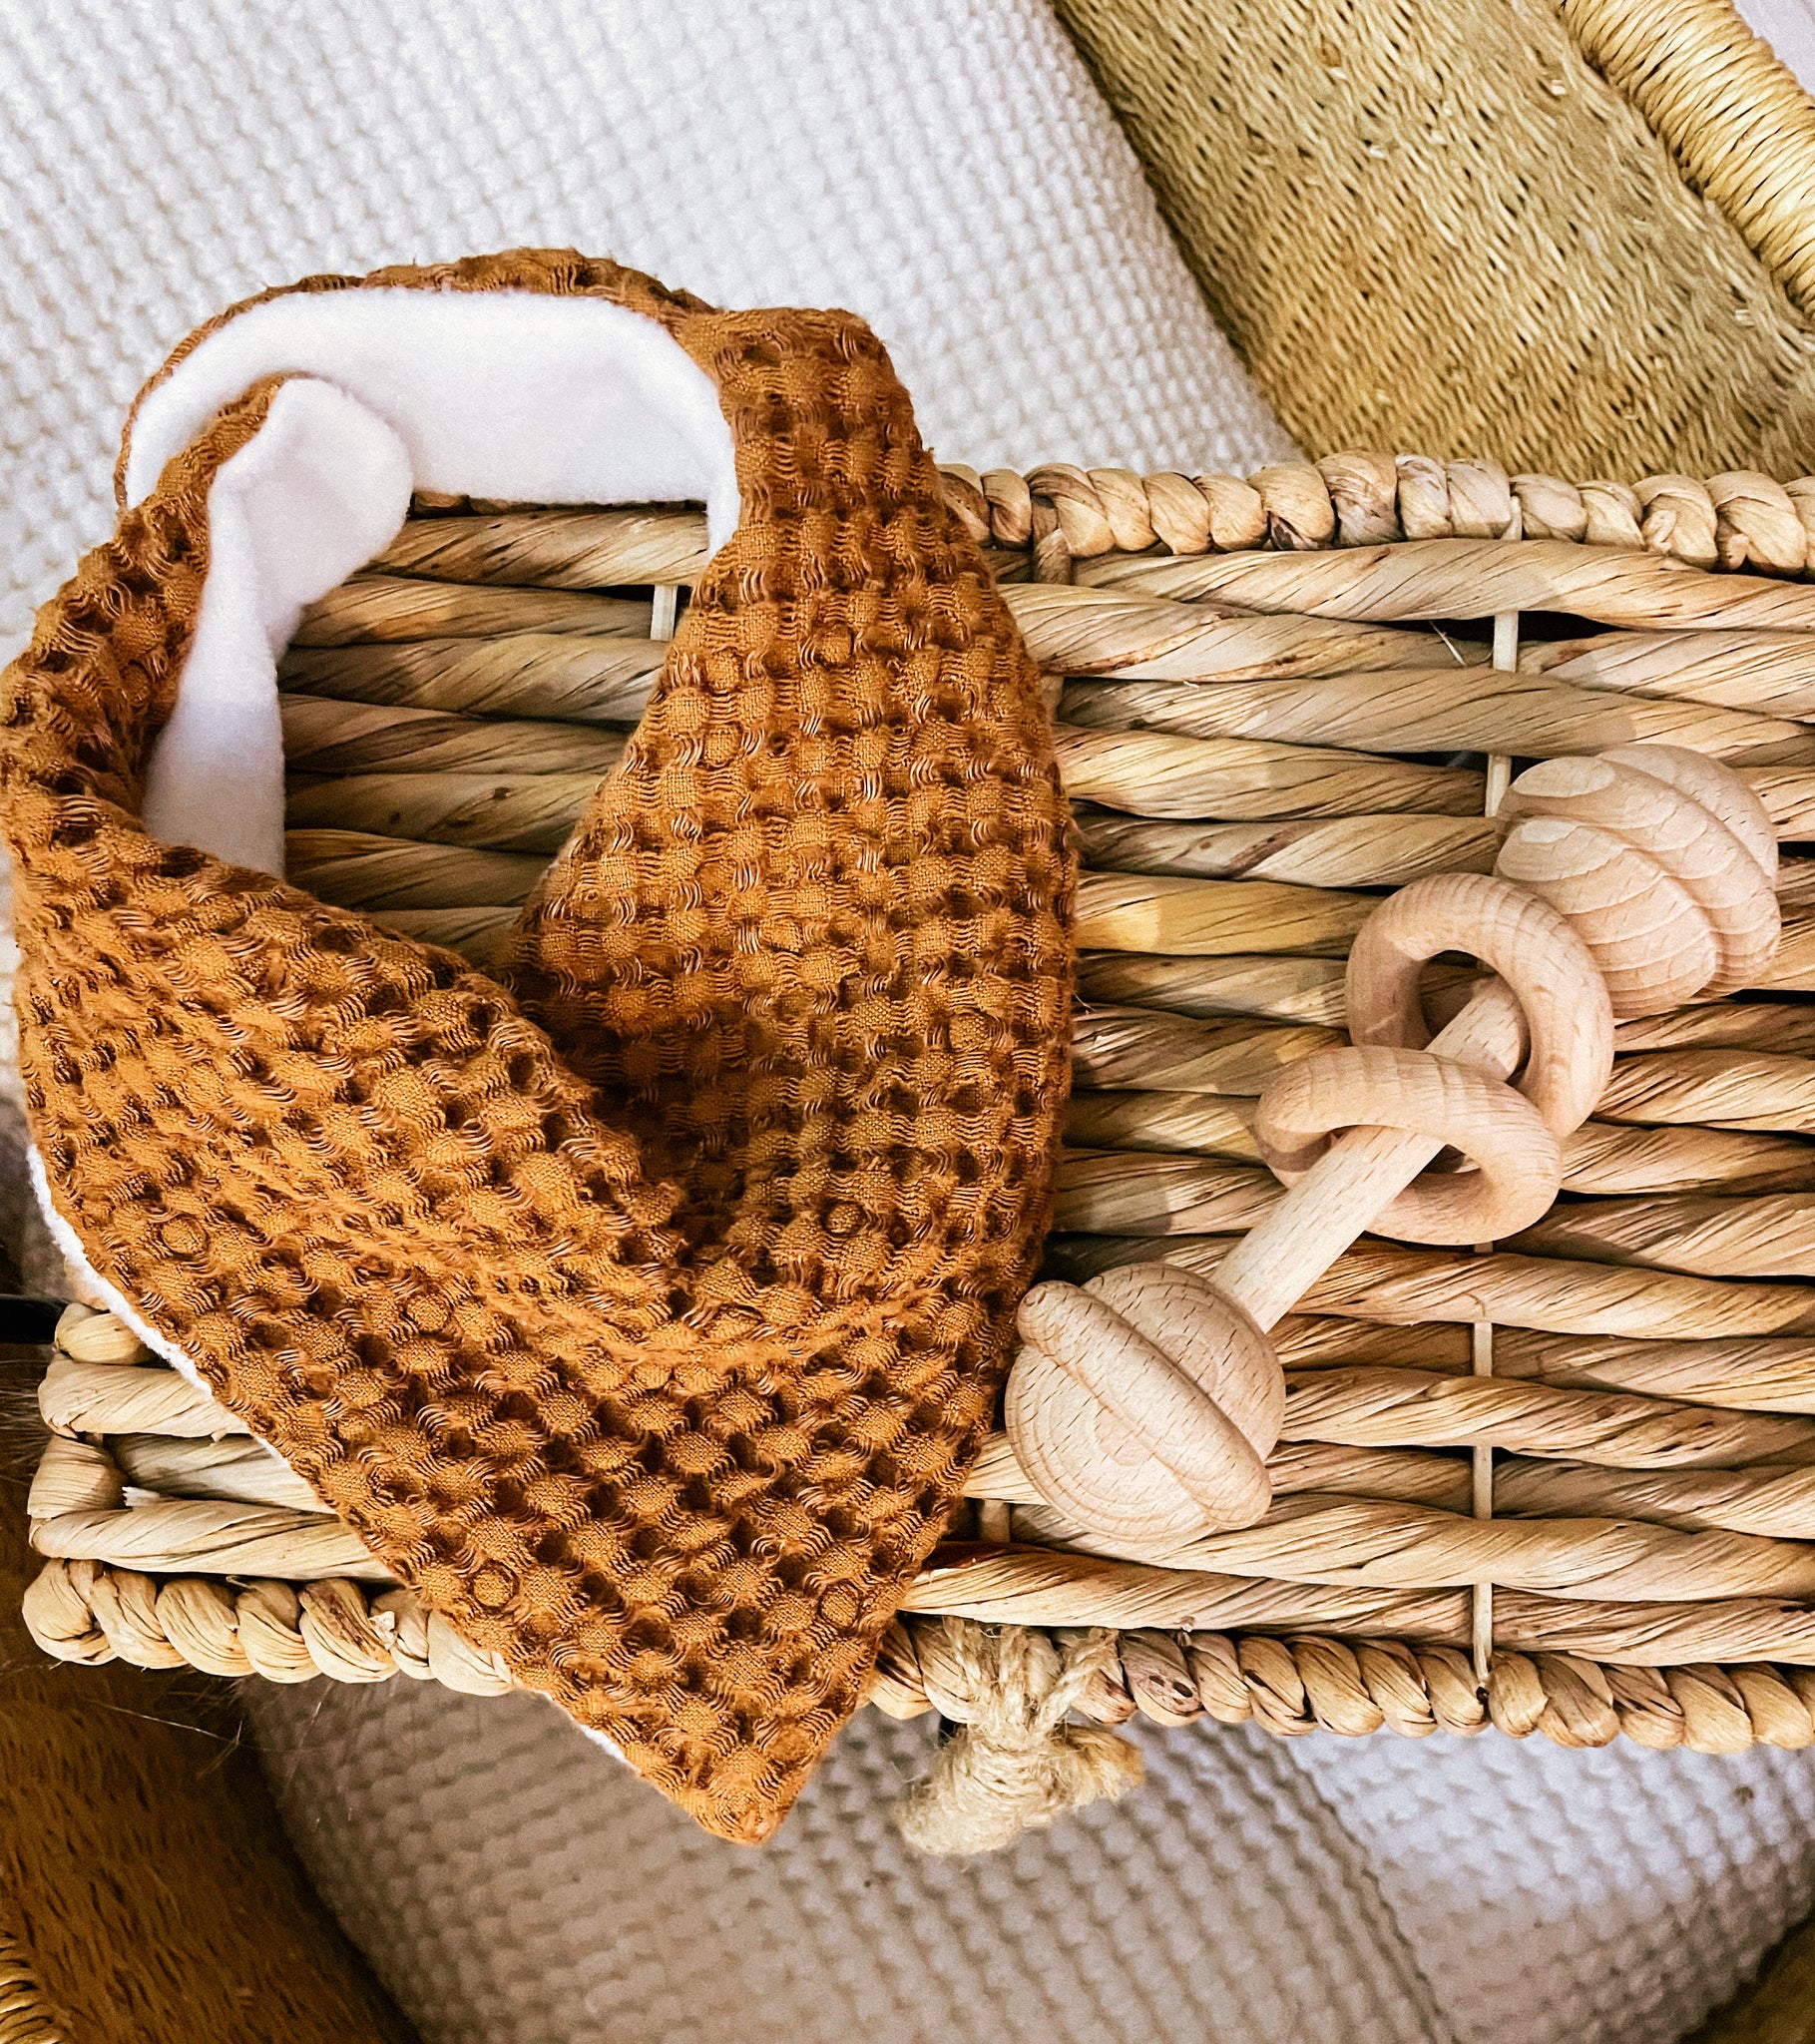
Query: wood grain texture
[
  {"x": 1143, "y": 1406},
  {"x": 1664, "y": 863}
]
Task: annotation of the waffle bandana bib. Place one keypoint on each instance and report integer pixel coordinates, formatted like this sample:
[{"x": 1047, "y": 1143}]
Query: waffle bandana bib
[{"x": 643, "y": 1308}]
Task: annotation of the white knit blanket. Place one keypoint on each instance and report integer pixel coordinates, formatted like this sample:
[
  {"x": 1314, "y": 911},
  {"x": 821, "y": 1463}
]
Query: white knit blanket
[{"x": 945, "y": 168}]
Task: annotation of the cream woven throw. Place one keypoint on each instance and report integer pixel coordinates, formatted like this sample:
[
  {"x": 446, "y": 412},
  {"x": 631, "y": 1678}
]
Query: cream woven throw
[{"x": 1255, "y": 1891}]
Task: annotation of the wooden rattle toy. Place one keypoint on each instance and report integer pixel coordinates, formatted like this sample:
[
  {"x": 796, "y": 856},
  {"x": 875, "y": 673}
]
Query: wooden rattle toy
[{"x": 1143, "y": 1405}]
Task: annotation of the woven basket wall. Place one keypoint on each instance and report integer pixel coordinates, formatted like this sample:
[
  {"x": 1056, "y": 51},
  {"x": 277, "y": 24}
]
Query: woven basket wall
[
  {"x": 147, "y": 1895},
  {"x": 1588, "y": 222},
  {"x": 1564, "y": 1487}
]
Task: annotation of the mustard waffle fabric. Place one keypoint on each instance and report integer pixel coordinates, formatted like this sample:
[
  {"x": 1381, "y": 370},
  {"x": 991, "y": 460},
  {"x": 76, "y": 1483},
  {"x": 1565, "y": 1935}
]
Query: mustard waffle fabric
[{"x": 643, "y": 1313}]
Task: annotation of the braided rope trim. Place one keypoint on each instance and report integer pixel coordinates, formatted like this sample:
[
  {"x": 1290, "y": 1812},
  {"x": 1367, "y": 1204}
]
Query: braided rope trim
[
  {"x": 1736, "y": 119},
  {"x": 1302, "y": 1683},
  {"x": 1741, "y": 520},
  {"x": 87, "y": 1612},
  {"x": 1058, "y": 513}
]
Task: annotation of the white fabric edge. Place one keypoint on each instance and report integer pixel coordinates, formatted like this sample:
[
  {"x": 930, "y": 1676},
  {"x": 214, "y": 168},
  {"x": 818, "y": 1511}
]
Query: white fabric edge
[
  {"x": 103, "y": 1293},
  {"x": 503, "y": 394},
  {"x": 321, "y": 487},
  {"x": 512, "y": 394}
]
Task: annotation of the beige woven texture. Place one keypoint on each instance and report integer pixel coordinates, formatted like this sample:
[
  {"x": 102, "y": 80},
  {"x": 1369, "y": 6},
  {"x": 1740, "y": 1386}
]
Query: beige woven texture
[
  {"x": 1632, "y": 1377},
  {"x": 1511, "y": 196}
]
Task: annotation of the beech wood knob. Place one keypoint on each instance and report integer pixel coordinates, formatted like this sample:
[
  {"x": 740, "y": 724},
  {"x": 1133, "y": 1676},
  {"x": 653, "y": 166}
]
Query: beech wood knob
[
  {"x": 1144, "y": 1405},
  {"x": 1665, "y": 862}
]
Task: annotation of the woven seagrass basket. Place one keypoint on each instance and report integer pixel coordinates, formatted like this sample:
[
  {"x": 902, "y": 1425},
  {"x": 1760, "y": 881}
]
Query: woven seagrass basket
[
  {"x": 1565, "y": 1486},
  {"x": 1589, "y": 224}
]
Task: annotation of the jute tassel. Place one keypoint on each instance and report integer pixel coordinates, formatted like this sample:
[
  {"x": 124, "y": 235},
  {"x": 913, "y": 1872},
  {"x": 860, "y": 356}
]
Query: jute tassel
[{"x": 1012, "y": 1764}]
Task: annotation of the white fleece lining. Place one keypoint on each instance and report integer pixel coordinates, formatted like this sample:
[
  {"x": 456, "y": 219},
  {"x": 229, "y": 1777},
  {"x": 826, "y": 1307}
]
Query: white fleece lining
[
  {"x": 321, "y": 487},
  {"x": 502, "y": 394}
]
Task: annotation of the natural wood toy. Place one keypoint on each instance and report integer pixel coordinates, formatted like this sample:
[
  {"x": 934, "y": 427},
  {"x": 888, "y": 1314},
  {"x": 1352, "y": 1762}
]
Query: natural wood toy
[{"x": 1143, "y": 1405}]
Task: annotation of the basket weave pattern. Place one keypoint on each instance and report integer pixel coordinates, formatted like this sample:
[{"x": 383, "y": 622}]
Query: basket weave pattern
[
  {"x": 1561, "y": 1486},
  {"x": 1585, "y": 222}
]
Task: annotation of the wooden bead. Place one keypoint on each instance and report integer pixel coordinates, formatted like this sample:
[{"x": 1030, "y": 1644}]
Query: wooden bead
[
  {"x": 1518, "y": 1164},
  {"x": 1143, "y": 1406},
  {"x": 1715, "y": 787},
  {"x": 1652, "y": 948},
  {"x": 1664, "y": 861},
  {"x": 1567, "y": 1015}
]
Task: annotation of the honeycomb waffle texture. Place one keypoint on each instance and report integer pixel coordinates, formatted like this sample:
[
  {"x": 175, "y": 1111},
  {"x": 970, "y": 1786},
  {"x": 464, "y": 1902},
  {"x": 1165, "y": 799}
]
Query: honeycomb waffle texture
[
  {"x": 947, "y": 170},
  {"x": 653, "y": 1357},
  {"x": 514, "y": 1890},
  {"x": 1222, "y": 1900},
  {"x": 1556, "y": 1896}
]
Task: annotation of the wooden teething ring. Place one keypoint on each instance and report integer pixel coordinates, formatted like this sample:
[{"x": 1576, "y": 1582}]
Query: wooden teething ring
[
  {"x": 1541, "y": 957},
  {"x": 1142, "y": 1407},
  {"x": 1518, "y": 1161}
]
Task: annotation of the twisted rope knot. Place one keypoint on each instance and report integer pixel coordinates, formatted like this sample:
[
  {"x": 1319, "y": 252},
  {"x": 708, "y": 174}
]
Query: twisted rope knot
[{"x": 1013, "y": 1763}]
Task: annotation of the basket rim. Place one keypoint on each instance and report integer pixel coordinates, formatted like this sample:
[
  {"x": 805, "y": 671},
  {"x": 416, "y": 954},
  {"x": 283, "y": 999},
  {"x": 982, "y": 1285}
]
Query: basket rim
[{"x": 1731, "y": 111}]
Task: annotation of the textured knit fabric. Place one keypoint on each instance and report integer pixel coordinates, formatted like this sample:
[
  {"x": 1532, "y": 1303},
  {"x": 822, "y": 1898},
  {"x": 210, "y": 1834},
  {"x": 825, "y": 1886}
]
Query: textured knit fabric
[
  {"x": 655, "y": 1367},
  {"x": 1220, "y": 1903},
  {"x": 1257, "y": 1890}
]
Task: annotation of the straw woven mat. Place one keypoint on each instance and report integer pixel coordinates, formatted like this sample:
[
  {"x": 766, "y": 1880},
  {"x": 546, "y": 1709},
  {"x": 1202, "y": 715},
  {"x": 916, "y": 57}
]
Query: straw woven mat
[{"x": 942, "y": 166}]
